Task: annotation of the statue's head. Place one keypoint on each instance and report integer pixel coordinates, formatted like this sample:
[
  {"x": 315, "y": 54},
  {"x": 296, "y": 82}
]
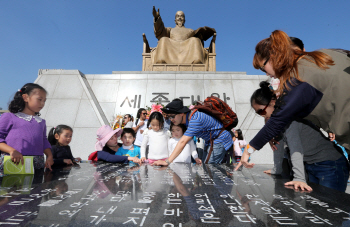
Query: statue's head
[{"x": 180, "y": 18}]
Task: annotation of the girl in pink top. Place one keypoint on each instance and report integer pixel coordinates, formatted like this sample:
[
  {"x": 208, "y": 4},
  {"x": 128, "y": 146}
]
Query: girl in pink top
[{"x": 239, "y": 144}]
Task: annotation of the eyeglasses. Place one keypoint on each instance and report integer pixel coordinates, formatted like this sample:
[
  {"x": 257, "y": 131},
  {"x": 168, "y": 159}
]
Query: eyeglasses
[
  {"x": 171, "y": 116},
  {"x": 262, "y": 68},
  {"x": 262, "y": 112},
  {"x": 144, "y": 113}
]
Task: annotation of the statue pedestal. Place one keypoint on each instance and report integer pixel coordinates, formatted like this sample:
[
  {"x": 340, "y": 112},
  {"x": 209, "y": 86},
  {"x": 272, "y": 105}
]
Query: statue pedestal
[
  {"x": 148, "y": 66},
  {"x": 87, "y": 101},
  {"x": 179, "y": 67}
]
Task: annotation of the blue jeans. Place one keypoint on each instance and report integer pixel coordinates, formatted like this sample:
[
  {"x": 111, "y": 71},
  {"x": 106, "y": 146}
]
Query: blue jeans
[
  {"x": 217, "y": 155},
  {"x": 332, "y": 174}
]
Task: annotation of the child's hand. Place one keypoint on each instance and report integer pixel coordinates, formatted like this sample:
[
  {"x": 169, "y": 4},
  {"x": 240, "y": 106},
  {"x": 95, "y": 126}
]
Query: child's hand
[
  {"x": 68, "y": 161},
  {"x": 134, "y": 159},
  {"x": 159, "y": 163},
  {"x": 49, "y": 162},
  {"x": 16, "y": 157},
  {"x": 137, "y": 160},
  {"x": 143, "y": 159},
  {"x": 77, "y": 159},
  {"x": 198, "y": 161}
]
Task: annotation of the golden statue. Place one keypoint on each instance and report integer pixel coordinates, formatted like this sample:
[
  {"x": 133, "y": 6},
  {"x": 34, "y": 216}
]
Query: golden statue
[{"x": 179, "y": 45}]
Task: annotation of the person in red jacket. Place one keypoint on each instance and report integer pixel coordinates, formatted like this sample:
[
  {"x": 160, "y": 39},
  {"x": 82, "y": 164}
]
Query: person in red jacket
[{"x": 107, "y": 145}]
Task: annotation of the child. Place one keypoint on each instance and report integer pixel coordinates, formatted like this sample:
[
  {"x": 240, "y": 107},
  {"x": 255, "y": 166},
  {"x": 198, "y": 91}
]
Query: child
[
  {"x": 59, "y": 138},
  {"x": 128, "y": 148},
  {"x": 107, "y": 145},
  {"x": 239, "y": 144},
  {"x": 157, "y": 137},
  {"x": 22, "y": 131},
  {"x": 177, "y": 132}
]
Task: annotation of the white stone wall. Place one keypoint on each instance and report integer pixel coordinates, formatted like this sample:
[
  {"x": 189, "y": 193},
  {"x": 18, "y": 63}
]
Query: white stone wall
[
  {"x": 70, "y": 101},
  {"x": 85, "y": 102}
]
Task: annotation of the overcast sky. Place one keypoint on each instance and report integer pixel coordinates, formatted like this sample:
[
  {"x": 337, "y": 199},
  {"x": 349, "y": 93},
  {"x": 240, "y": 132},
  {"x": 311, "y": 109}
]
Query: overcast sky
[{"x": 98, "y": 37}]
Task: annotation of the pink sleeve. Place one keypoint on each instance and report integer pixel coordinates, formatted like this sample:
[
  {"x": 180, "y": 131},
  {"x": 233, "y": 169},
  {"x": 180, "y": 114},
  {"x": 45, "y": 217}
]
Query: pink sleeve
[
  {"x": 46, "y": 142},
  {"x": 5, "y": 126}
]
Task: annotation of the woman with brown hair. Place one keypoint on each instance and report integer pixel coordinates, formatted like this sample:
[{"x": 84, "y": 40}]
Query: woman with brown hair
[{"x": 313, "y": 85}]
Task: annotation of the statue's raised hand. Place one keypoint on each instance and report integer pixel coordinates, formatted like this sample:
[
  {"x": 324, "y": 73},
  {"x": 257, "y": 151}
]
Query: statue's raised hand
[{"x": 155, "y": 13}]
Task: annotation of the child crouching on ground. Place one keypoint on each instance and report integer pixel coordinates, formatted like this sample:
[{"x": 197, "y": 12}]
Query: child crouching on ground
[
  {"x": 59, "y": 138},
  {"x": 128, "y": 149},
  {"x": 177, "y": 132}
]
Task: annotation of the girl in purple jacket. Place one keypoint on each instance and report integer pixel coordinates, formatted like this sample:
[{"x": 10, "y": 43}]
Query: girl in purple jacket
[{"x": 22, "y": 131}]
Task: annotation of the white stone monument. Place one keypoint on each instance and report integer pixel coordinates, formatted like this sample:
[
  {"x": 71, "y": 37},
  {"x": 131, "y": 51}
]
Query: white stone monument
[{"x": 85, "y": 102}]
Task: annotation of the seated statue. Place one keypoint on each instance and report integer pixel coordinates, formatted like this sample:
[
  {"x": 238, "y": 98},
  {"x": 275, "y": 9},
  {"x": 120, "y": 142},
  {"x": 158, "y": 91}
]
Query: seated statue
[{"x": 179, "y": 45}]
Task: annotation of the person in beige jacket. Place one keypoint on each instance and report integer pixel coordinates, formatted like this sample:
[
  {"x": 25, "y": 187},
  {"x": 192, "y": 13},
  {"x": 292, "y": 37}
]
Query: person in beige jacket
[{"x": 314, "y": 85}]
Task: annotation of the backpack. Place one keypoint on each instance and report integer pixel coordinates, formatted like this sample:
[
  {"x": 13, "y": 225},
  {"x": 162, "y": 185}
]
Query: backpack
[{"x": 218, "y": 109}]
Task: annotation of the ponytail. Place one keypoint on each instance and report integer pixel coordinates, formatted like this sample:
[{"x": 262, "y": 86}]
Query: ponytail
[
  {"x": 284, "y": 55},
  {"x": 51, "y": 137},
  {"x": 263, "y": 95},
  {"x": 17, "y": 104}
]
